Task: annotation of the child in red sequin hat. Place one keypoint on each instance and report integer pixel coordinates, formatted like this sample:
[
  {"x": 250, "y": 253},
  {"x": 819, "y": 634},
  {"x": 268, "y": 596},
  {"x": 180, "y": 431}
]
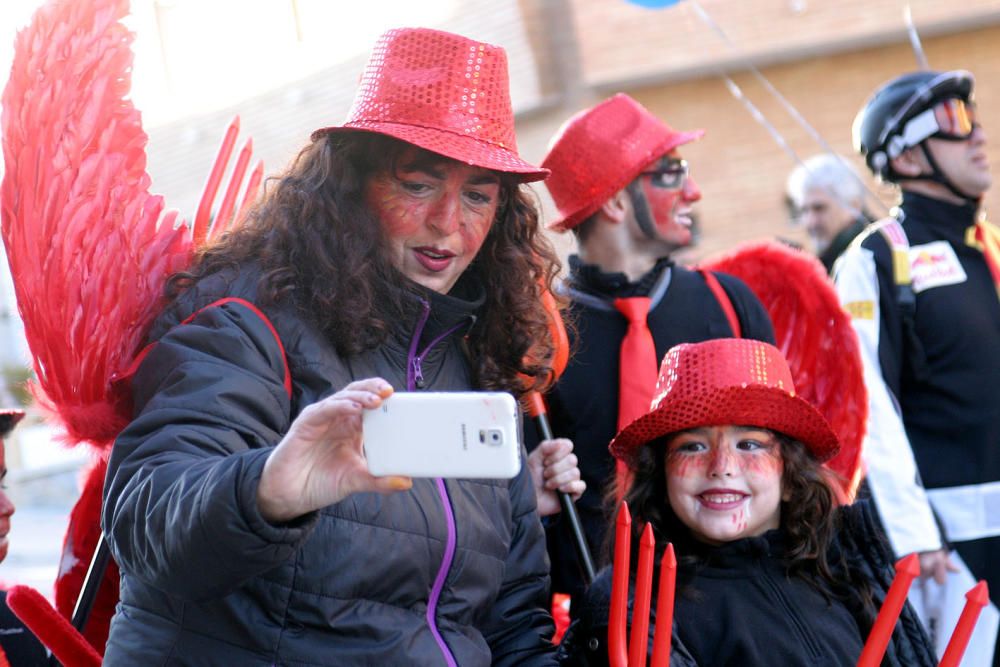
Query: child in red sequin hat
[{"x": 727, "y": 466}]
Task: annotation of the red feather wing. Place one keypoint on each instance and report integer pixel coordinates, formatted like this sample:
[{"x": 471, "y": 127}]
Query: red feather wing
[
  {"x": 816, "y": 337},
  {"x": 89, "y": 247},
  {"x": 84, "y": 237}
]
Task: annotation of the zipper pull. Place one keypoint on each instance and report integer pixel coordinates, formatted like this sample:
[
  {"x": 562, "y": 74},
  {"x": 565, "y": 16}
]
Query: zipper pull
[{"x": 418, "y": 373}]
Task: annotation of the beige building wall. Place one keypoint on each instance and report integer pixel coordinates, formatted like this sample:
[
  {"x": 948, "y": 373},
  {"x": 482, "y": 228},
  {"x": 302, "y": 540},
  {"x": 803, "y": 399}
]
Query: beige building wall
[
  {"x": 740, "y": 167},
  {"x": 824, "y": 56}
]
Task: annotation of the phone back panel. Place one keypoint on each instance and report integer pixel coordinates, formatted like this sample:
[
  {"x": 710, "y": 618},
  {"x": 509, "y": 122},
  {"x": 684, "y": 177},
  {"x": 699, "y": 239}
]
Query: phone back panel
[{"x": 444, "y": 434}]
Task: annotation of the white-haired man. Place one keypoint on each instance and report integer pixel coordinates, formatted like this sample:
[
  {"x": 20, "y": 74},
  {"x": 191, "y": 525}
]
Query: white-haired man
[{"x": 828, "y": 196}]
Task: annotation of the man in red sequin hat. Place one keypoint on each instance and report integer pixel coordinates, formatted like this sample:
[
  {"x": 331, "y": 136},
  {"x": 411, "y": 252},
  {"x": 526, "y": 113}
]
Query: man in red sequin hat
[{"x": 621, "y": 186}]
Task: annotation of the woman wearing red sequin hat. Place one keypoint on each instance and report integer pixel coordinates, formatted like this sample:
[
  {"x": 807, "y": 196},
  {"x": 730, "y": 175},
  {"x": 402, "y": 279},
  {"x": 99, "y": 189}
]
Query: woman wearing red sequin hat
[
  {"x": 397, "y": 253},
  {"x": 727, "y": 466}
]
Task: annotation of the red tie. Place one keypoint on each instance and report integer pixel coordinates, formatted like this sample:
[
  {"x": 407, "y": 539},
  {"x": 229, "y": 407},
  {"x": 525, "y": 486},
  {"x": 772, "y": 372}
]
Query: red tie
[
  {"x": 636, "y": 372},
  {"x": 638, "y": 363}
]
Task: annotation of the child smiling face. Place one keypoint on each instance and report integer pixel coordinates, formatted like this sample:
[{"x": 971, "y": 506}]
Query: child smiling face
[{"x": 724, "y": 482}]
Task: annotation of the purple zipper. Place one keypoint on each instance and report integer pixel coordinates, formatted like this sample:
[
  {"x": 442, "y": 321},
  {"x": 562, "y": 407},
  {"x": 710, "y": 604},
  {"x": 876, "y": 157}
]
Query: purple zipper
[
  {"x": 415, "y": 377},
  {"x": 413, "y": 359},
  {"x": 449, "y": 554}
]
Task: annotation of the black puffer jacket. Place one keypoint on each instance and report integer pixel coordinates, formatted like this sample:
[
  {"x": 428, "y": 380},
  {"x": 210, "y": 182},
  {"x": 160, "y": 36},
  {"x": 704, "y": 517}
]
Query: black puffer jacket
[
  {"x": 739, "y": 607},
  {"x": 373, "y": 580}
]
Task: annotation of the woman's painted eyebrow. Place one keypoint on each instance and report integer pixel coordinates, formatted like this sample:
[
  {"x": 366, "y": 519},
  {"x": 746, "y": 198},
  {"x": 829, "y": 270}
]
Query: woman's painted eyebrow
[
  {"x": 427, "y": 166},
  {"x": 432, "y": 167},
  {"x": 488, "y": 178}
]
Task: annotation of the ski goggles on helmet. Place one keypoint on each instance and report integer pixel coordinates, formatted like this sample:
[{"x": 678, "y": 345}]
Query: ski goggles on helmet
[
  {"x": 668, "y": 174},
  {"x": 955, "y": 119},
  {"x": 951, "y": 119}
]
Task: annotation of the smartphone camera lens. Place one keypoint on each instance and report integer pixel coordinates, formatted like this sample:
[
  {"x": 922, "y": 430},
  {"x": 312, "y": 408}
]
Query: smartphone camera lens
[{"x": 493, "y": 436}]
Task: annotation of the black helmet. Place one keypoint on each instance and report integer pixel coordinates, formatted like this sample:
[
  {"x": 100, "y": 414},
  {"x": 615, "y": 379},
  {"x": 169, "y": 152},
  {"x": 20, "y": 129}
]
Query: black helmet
[{"x": 879, "y": 128}]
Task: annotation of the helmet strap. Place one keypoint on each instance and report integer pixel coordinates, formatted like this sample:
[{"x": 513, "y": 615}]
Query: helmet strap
[
  {"x": 640, "y": 209},
  {"x": 938, "y": 176}
]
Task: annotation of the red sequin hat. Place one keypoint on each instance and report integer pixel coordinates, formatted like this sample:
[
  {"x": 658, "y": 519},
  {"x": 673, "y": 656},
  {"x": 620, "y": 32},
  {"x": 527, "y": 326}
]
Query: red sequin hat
[
  {"x": 727, "y": 381},
  {"x": 599, "y": 151},
  {"x": 442, "y": 92}
]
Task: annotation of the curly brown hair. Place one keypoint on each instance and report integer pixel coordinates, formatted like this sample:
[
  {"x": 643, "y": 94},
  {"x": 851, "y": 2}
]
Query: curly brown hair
[
  {"x": 807, "y": 516},
  {"x": 321, "y": 248}
]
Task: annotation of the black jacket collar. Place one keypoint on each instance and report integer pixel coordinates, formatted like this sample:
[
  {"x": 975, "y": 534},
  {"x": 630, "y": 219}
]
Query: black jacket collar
[
  {"x": 591, "y": 279},
  {"x": 949, "y": 220}
]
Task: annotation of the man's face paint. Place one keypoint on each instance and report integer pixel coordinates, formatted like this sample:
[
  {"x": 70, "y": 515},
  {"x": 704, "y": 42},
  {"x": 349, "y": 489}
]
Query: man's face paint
[{"x": 662, "y": 196}]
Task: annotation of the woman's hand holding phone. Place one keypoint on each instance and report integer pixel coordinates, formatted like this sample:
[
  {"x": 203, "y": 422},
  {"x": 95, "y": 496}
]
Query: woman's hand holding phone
[{"x": 320, "y": 461}]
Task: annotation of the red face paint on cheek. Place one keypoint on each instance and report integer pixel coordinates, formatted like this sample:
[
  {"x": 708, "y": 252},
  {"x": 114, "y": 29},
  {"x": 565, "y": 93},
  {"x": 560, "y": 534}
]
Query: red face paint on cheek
[
  {"x": 686, "y": 465},
  {"x": 764, "y": 463},
  {"x": 662, "y": 206},
  {"x": 474, "y": 232},
  {"x": 399, "y": 214}
]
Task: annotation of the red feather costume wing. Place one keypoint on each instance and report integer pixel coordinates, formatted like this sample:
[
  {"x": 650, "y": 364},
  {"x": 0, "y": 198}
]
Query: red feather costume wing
[
  {"x": 816, "y": 337},
  {"x": 89, "y": 247},
  {"x": 82, "y": 231}
]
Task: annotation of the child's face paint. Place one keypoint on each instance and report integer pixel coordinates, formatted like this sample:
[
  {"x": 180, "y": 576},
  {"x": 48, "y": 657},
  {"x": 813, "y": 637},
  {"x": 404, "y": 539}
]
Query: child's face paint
[
  {"x": 436, "y": 213},
  {"x": 724, "y": 482}
]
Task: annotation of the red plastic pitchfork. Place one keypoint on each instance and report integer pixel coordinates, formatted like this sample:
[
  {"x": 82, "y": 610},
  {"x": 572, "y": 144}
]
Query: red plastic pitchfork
[
  {"x": 634, "y": 653},
  {"x": 203, "y": 228},
  {"x": 907, "y": 570}
]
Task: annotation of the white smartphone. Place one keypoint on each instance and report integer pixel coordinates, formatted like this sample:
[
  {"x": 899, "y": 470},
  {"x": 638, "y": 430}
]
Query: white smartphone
[{"x": 470, "y": 434}]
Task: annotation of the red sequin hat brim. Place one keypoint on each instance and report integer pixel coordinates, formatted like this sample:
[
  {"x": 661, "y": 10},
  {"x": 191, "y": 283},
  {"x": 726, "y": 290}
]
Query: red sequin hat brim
[
  {"x": 469, "y": 150},
  {"x": 752, "y": 405}
]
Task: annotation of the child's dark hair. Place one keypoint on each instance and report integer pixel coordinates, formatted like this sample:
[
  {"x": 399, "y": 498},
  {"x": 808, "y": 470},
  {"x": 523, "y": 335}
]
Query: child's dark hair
[{"x": 807, "y": 517}]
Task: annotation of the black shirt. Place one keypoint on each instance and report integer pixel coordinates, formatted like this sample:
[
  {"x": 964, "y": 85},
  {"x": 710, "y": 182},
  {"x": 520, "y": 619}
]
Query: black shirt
[
  {"x": 21, "y": 648},
  {"x": 741, "y": 607}
]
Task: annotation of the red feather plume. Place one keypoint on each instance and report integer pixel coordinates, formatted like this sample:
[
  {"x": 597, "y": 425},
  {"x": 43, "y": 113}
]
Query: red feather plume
[
  {"x": 89, "y": 247},
  {"x": 85, "y": 248},
  {"x": 66, "y": 644},
  {"x": 816, "y": 337}
]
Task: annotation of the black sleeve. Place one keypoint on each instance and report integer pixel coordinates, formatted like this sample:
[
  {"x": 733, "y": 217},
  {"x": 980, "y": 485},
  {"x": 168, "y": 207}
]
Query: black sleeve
[
  {"x": 862, "y": 539},
  {"x": 519, "y": 627},
  {"x": 754, "y": 320},
  {"x": 180, "y": 508}
]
